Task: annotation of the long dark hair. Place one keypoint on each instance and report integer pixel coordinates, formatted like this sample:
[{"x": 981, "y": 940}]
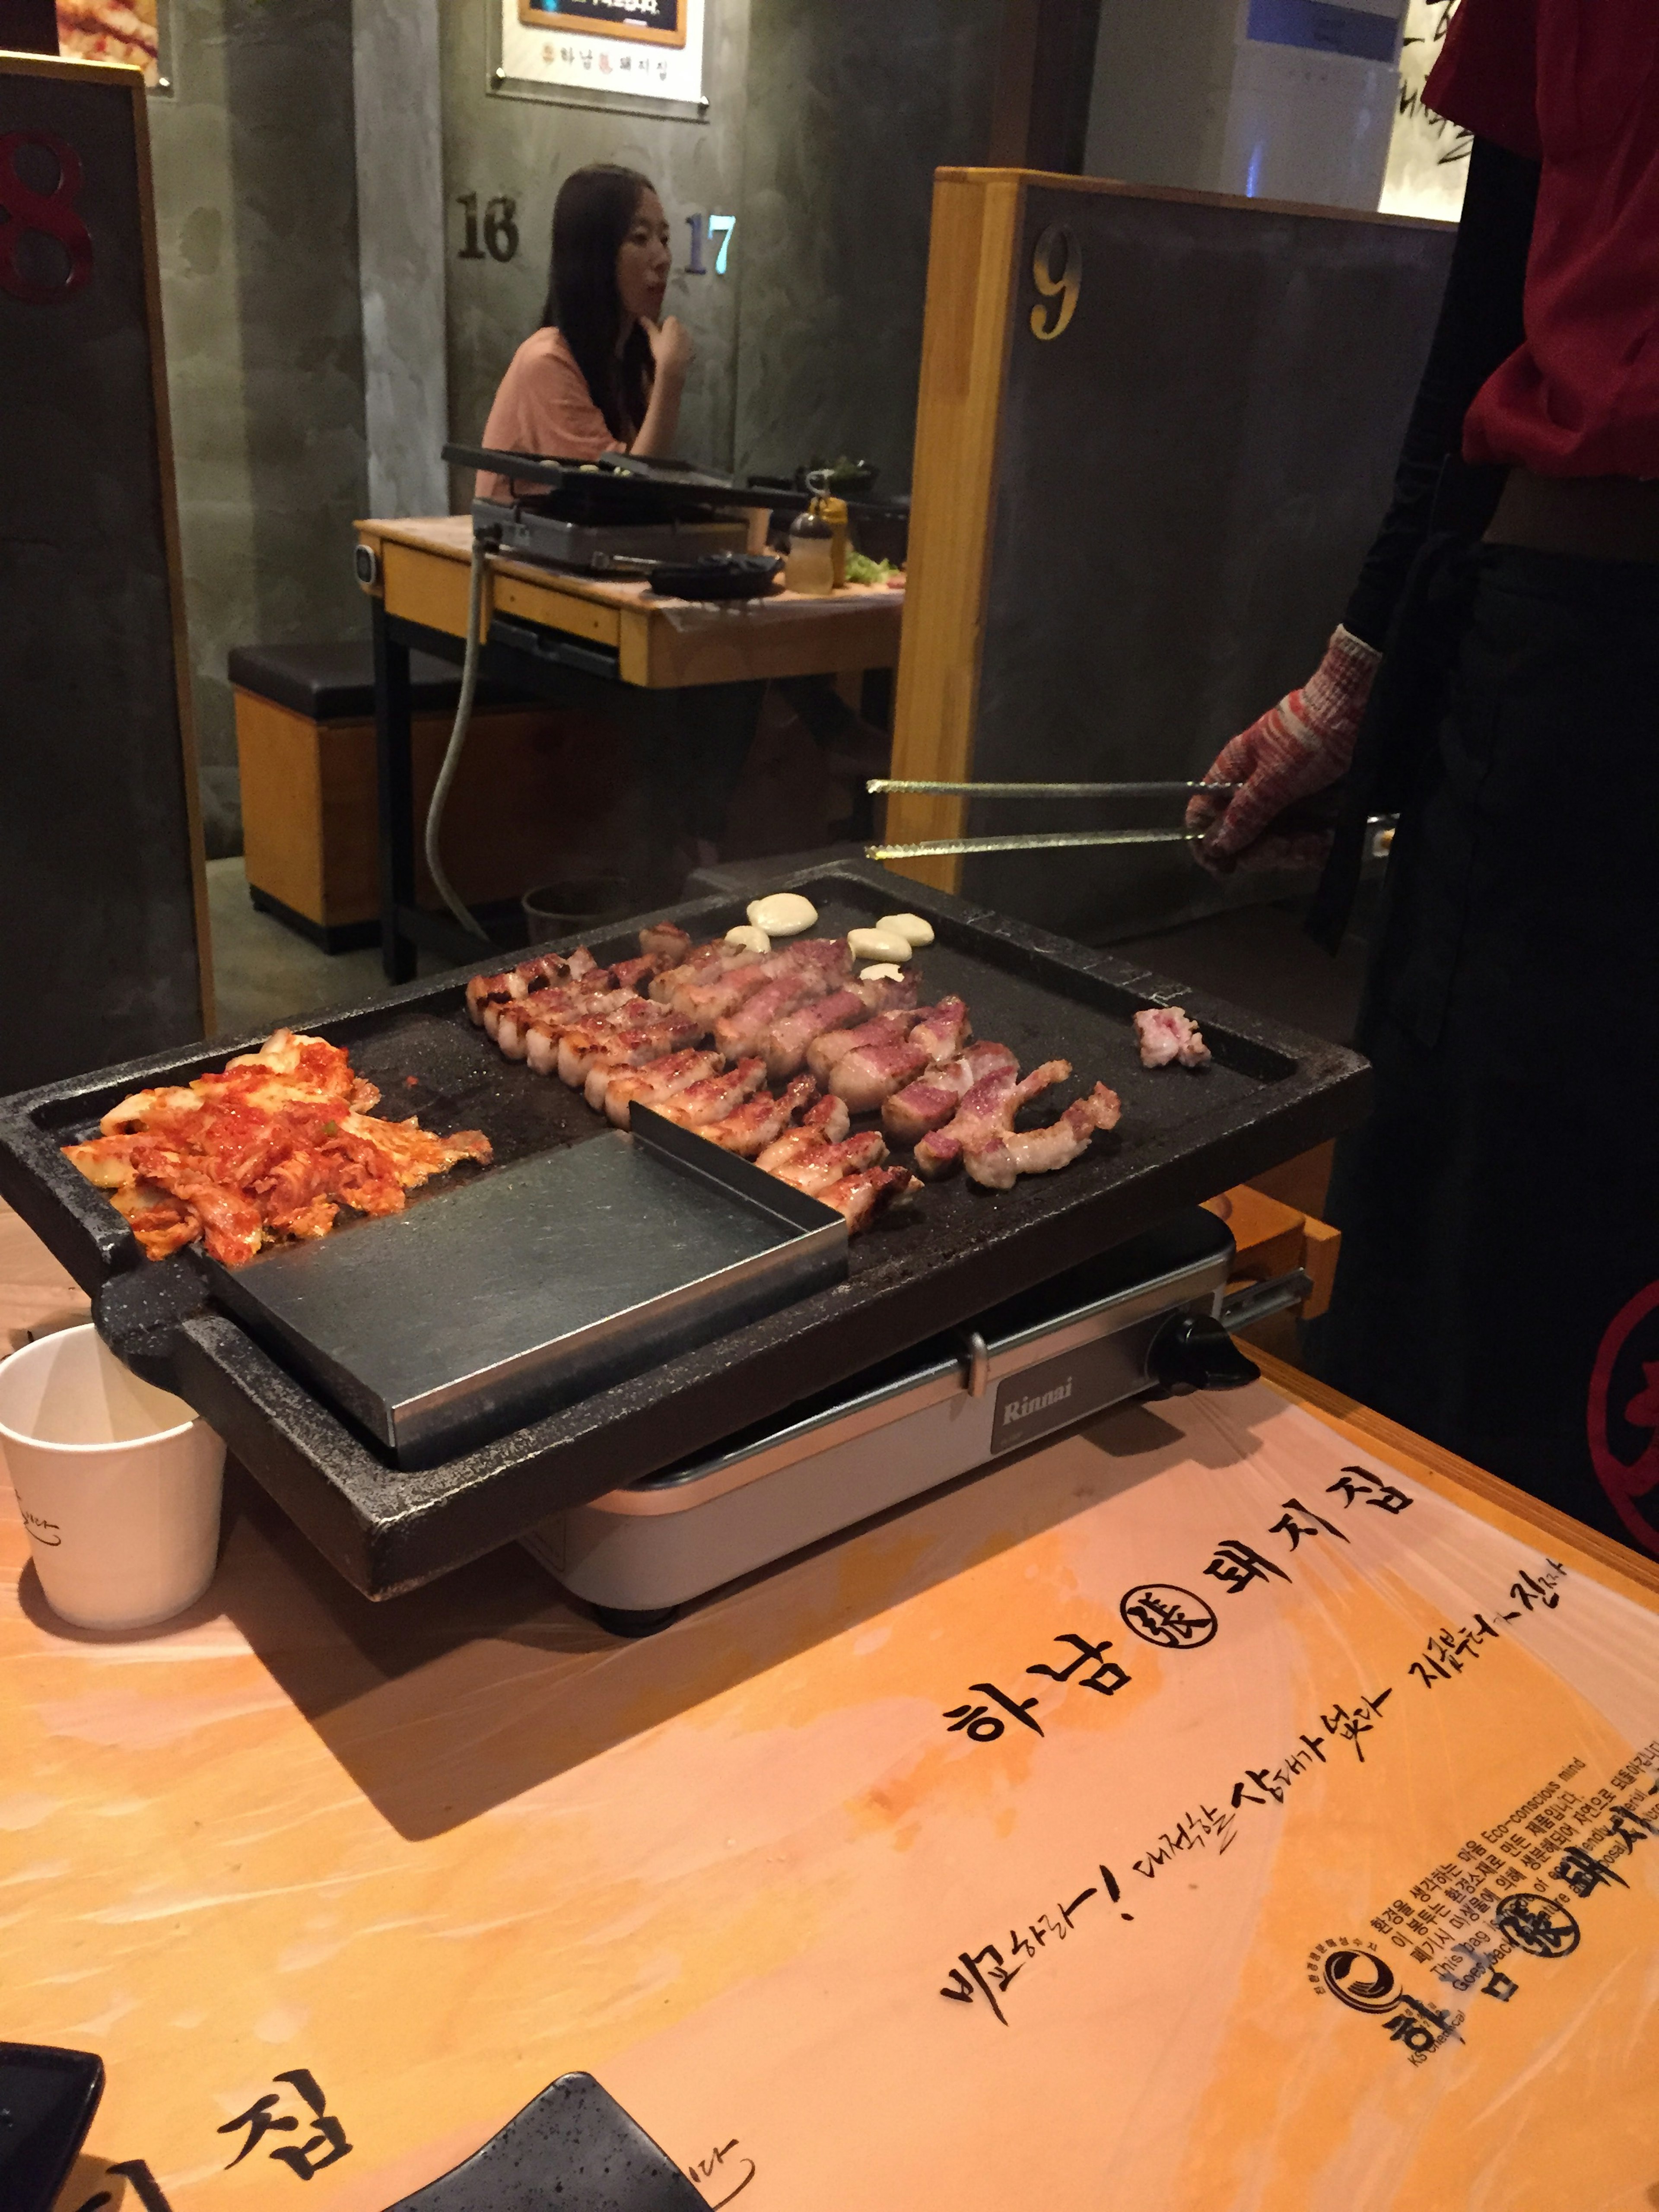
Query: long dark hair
[{"x": 592, "y": 216}]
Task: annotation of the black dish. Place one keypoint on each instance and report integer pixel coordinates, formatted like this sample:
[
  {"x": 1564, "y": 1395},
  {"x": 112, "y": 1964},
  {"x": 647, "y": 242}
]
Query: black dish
[{"x": 717, "y": 576}]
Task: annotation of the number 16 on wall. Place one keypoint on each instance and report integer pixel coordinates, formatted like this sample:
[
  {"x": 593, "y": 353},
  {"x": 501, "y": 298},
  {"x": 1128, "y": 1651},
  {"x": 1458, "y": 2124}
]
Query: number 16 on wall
[{"x": 704, "y": 229}]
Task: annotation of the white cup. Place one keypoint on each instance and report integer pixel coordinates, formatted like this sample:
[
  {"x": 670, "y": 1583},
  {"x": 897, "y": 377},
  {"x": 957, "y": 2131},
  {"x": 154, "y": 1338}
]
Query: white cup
[{"x": 119, "y": 1483}]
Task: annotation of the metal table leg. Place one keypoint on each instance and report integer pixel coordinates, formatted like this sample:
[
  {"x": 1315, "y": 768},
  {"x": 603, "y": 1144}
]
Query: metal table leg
[{"x": 394, "y": 760}]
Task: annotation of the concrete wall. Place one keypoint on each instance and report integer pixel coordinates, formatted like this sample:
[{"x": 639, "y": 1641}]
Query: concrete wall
[
  {"x": 256, "y": 217},
  {"x": 851, "y": 108},
  {"x": 526, "y": 148},
  {"x": 825, "y": 121},
  {"x": 400, "y": 253}
]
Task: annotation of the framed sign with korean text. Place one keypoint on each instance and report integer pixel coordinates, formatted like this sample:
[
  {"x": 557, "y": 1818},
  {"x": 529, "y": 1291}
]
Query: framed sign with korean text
[
  {"x": 100, "y": 843},
  {"x": 654, "y": 22},
  {"x": 643, "y": 56}
]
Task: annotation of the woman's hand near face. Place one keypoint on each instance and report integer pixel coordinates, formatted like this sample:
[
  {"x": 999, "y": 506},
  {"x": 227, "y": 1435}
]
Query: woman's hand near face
[{"x": 672, "y": 348}]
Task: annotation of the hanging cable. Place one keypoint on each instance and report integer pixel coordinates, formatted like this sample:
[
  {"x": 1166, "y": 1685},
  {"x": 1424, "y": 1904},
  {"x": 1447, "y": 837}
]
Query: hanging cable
[{"x": 435, "y": 813}]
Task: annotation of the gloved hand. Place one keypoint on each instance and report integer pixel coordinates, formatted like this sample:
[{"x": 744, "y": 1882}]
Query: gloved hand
[{"x": 1297, "y": 748}]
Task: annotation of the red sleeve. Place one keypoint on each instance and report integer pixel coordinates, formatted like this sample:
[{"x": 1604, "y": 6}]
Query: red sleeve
[{"x": 1486, "y": 77}]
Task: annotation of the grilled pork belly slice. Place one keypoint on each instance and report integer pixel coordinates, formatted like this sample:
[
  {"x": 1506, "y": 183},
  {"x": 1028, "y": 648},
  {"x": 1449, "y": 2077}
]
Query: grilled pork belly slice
[
  {"x": 551, "y": 999},
  {"x": 826, "y": 1051},
  {"x": 748, "y": 1027},
  {"x": 860, "y": 1198},
  {"x": 812, "y": 1167},
  {"x": 551, "y": 969},
  {"x": 985, "y": 1113},
  {"x": 943, "y": 1031},
  {"x": 627, "y": 1040},
  {"x": 1165, "y": 1033},
  {"x": 666, "y": 941},
  {"x": 545, "y": 1016},
  {"x": 786, "y": 1048},
  {"x": 932, "y": 1098},
  {"x": 823, "y": 958},
  {"x": 869, "y": 1074},
  {"x": 655, "y": 1081},
  {"x": 867, "y": 1078},
  {"x": 998, "y": 1163},
  {"x": 711, "y": 957},
  {"x": 543, "y": 1036},
  {"x": 635, "y": 975},
  {"x": 715, "y": 1097},
  {"x": 825, "y": 1123},
  {"x": 750, "y": 1127}
]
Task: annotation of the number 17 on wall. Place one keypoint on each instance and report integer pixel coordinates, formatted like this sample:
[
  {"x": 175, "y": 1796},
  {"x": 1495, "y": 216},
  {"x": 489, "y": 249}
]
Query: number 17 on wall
[{"x": 705, "y": 230}]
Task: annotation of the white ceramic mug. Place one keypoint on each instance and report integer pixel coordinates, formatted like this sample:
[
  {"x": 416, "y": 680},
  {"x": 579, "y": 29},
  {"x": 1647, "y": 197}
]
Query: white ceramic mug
[{"x": 118, "y": 1482}]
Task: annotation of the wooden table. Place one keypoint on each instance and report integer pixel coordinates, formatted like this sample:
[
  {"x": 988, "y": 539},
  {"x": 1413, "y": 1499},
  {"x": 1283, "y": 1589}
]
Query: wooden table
[
  {"x": 831, "y": 1950},
  {"x": 554, "y": 634}
]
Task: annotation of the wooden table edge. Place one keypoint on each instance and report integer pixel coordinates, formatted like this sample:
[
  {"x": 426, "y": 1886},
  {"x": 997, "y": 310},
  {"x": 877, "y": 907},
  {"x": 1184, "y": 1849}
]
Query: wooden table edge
[{"x": 1450, "y": 1475}]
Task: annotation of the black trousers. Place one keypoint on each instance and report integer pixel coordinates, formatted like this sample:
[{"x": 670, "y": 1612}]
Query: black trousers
[{"x": 1499, "y": 1289}]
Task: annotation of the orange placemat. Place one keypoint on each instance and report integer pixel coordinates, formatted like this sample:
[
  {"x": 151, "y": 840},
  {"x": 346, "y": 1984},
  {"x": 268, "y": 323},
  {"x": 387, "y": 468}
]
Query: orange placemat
[{"x": 1204, "y": 1811}]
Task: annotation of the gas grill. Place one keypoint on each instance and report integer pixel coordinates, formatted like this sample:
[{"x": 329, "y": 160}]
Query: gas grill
[{"x": 960, "y": 1302}]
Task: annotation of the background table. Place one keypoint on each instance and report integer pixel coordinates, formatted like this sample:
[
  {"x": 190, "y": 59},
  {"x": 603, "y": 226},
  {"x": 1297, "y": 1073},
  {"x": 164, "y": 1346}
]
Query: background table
[
  {"x": 562, "y": 636},
  {"x": 415, "y": 1861}
]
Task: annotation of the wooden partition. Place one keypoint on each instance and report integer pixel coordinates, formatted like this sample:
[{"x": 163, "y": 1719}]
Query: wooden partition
[
  {"x": 101, "y": 844},
  {"x": 1157, "y": 433}
]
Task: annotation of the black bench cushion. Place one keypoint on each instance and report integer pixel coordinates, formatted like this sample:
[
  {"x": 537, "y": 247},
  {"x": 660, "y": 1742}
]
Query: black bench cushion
[{"x": 335, "y": 682}]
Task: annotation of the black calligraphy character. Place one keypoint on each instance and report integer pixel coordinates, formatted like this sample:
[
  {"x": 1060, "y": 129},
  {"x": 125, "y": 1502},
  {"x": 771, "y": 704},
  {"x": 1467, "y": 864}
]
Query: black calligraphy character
[
  {"x": 1350, "y": 1726},
  {"x": 1103, "y": 1666},
  {"x": 1374, "y": 1491},
  {"x": 1158, "y": 1613},
  {"x": 300, "y": 2157},
  {"x": 1421, "y": 2028},
  {"x": 259, "y": 2122},
  {"x": 1529, "y": 1592},
  {"x": 1500, "y": 1986},
  {"x": 702, "y": 2170},
  {"x": 1237, "y": 1566},
  {"x": 981, "y": 1724},
  {"x": 962, "y": 1994},
  {"x": 1295, "y": 1530},
  {"x": 1627, "y": 1824},
  {"x": 145, "y": 2188},
  {"x": 1583, "y": 1873},
  {"x": 1535, "y": 1924}
]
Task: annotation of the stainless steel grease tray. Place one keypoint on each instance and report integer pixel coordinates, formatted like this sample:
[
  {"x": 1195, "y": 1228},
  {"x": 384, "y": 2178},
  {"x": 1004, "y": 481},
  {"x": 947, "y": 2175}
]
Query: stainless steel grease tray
[{"x": 536, "y": 1284}]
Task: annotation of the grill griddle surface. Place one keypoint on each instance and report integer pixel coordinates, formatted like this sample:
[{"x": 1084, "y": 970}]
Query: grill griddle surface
[{"x": 464, "y": 1082}]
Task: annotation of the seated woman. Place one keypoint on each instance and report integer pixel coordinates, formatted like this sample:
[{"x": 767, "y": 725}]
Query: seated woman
[{"x": 605, "y": 373}]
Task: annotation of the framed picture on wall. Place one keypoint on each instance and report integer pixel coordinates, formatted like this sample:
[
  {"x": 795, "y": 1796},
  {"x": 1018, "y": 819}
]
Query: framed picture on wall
[
  {"x": 643, "y": 56},
  {"x": 651, "y": 22},
  {"x": 132, "y": 30}
]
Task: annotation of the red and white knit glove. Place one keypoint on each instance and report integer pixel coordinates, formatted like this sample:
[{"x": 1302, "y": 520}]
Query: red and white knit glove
[{"x": 1294, "y": 750}]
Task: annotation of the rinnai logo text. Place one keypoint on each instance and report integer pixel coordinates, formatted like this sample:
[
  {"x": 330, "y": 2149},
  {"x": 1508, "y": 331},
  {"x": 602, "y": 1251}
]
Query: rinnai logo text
[{"x": 1021, "y": 1409}]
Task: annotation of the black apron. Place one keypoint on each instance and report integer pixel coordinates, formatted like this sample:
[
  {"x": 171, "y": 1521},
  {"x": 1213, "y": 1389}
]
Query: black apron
[{"x": 1498, "y": 1286}]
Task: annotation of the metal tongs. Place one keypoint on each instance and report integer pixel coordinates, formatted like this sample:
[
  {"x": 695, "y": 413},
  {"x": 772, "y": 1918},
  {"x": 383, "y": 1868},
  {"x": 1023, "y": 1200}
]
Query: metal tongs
[{"x": 1040, "y": 841}]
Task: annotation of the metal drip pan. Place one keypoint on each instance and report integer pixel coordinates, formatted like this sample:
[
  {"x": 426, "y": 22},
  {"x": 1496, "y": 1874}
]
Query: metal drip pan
[{"x": 530, "y": 1287}]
